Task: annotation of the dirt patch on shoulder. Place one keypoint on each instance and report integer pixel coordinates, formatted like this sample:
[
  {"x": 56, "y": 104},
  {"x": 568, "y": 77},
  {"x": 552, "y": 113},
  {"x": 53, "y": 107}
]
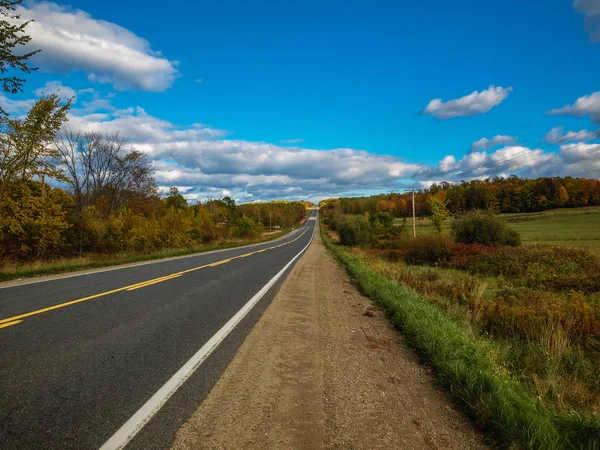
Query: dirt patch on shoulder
[{"x": 324, "y": 369}]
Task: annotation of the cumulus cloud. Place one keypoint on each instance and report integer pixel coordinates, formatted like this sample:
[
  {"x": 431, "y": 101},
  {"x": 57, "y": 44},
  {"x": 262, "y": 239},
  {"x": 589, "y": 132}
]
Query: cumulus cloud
[
  {"x": 485, "y": 144},
  {"x": 291, "y": 141},
  {"x": 583, "y": 106},
  {"x": 203, "y": 162},
  {"x": 470, "y": 105},
  {"x": 72, "y": 40},
  {"x": 65, "y": 93},
  {"x": 557, "y": 135},
  {"x": 569, "y": 159},
  {"x": 591, "y": 11},
  {"x": 17, "y": 107}
]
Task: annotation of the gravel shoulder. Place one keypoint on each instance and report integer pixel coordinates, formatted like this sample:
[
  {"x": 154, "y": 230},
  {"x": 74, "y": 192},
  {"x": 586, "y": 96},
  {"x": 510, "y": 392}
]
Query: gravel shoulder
[{"x": 323, "y": 368}]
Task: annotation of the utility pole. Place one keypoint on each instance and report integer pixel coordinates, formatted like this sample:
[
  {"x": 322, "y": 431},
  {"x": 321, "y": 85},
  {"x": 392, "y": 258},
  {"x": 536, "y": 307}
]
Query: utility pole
[
  {"x": 414, "y": 219},
  {"x": 270, "y": 227}
]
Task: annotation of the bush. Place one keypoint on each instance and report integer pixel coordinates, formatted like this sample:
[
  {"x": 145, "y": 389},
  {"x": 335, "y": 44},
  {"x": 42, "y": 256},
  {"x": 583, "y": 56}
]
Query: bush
[
  {"x": 543, "y": 317},
  {"x": 484, "y": 228},
  {"x": 246, "y": 227},
  {"x": 428, "y": 249},
  {"x": 381, "y": 222},
  {"x": 356, "y": 231}
]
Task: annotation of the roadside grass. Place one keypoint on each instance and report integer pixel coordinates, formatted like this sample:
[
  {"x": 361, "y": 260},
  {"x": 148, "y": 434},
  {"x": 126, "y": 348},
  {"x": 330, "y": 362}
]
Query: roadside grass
[
  {"x": 467, "y": 363},
  {"x": 14, "y": 271}
]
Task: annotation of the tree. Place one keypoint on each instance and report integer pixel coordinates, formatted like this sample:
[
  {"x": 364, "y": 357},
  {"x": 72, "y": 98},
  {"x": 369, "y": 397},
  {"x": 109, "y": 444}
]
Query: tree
[
  {"x": 25, "y": 144},
  {"x": 99, "y": 165},
  {"x": 439, "y": 213},
  {"x": 175, "y": 199},
  {"x": 12, "y": 36},
  {"x": 563, "y": 196}
]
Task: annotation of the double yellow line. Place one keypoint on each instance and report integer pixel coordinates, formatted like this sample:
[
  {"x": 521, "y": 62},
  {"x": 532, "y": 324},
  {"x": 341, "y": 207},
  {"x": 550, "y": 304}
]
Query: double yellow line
[{"x": 10, "y": 321}]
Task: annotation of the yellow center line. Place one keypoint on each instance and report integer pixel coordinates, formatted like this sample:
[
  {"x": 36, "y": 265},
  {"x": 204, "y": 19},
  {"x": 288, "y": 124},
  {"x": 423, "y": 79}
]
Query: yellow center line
[
  {"x": 148, "y": 283},
  {"x": 10, "y": 324},
  {"x": 9, "y": 321}
]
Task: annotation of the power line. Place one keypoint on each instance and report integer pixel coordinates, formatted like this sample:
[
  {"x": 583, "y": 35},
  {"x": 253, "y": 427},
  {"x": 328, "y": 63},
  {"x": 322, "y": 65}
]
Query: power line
[
  {"x": 583, "y": 173},
  {"x": 553, "y": 141}
]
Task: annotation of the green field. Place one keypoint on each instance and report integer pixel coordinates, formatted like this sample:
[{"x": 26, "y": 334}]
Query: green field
[{"x": 575, "y": 227}]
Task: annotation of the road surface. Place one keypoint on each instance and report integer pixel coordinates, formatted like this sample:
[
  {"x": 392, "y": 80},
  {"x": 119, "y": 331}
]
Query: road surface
[{"x": 124, "y": 356}]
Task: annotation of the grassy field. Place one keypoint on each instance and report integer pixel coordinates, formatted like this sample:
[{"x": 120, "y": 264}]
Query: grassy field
[{"x": 574, "y": 228}]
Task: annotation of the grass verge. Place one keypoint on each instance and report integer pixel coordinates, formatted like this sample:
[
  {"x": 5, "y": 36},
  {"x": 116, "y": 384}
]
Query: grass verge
[
  {"x": 27, "y": 270},
  {"x": 464, "y": 365}
]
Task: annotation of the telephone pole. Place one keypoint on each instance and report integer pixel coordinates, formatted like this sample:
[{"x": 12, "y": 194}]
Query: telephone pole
[
  {"x": 414, "y": 215},
  {"x": 414, "y": 218}
]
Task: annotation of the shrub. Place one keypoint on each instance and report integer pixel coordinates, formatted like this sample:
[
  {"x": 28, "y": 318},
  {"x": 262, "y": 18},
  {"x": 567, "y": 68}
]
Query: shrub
[
  {"x": 356, "y": 231},
  {"x": 246, "y": 227},
  {"x": 484, "y": 228},
  {"x": 381, "y": 222},
  {"x": 544, "y": 318},
  {"x": 428, "y": 249}
]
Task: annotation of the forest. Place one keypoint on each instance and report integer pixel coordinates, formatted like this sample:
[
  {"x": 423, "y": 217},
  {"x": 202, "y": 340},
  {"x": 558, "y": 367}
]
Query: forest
[{"x": 500, "y": 195}]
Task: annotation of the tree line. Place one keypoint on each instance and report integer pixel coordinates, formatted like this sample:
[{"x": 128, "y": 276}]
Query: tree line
[
  {"x": 500, "y": 195},
  {"x": 79, "y": 193}
]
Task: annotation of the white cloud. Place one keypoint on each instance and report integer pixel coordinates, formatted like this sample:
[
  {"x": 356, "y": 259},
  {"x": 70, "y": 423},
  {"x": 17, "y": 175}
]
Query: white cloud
[
  {"x": 485, "y": 144},
  {"x": 73, "y": 40},
  {"x": 583, "y": 106},
  {"x": 198, "y": 80},
  {"x": 17, "y": 107},
  {"x": 291, "y": 141},
  {"x": 470, "y": 105},
  {"x": 591, "y": 10},
  {"x": 203, "y": 163},
  {"x": 56, "y": 87},
  {"x": 557, "y": 135},
  {"x": 580, "y": 154}
]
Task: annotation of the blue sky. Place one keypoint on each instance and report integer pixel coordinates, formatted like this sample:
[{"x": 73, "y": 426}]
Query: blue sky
[{"x": 312, "y": 99}]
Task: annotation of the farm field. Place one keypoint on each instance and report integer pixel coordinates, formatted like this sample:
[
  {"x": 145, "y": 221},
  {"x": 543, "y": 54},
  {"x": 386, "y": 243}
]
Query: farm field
[{"x": 572, "y": 228}]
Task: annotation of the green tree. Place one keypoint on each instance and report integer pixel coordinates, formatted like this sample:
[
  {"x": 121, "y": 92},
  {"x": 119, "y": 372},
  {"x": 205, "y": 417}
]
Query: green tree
[
  {"x": 12, "y": 37},
  {"x": 175, "y": 199},
  {"x": 26, "y": 149},
  {"x": 439, "y": 213}
]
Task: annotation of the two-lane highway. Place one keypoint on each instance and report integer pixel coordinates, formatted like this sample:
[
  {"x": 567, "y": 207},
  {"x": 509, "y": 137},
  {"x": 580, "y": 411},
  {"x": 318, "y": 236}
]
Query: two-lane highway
[{"x": 123, "y": 356}]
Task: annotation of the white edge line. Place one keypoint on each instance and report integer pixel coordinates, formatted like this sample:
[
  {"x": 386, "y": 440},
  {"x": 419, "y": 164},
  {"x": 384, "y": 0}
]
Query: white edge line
[
  {"x": 143, "y": 415},
  {"x": 84, "y": 272}
]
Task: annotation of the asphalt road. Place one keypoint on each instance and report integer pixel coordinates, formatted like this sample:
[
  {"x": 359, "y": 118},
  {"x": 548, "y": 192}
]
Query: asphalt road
[{"x": 80, "y": 355}]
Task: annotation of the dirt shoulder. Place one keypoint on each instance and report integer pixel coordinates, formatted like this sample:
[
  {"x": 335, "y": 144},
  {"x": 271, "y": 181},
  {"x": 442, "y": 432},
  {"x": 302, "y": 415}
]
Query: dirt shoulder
[{"x": 324, "y": 369}]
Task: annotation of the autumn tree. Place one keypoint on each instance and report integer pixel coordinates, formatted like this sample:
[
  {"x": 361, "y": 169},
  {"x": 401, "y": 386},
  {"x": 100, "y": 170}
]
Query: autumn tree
[
  {"x": 26, "y": 149},
  {"x": 439, "y": 213},
  {"x": 175, "y": 200}
]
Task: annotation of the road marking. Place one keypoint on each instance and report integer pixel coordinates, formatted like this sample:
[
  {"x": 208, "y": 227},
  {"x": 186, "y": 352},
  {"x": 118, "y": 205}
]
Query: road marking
[
  {"x": 85, "y": 272},
  {"x": 143, "y": 415},
  {"x": 10, "y": 324},
  {"x": 149, "y": 283},
  {"x": 135, "y": 286}
]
